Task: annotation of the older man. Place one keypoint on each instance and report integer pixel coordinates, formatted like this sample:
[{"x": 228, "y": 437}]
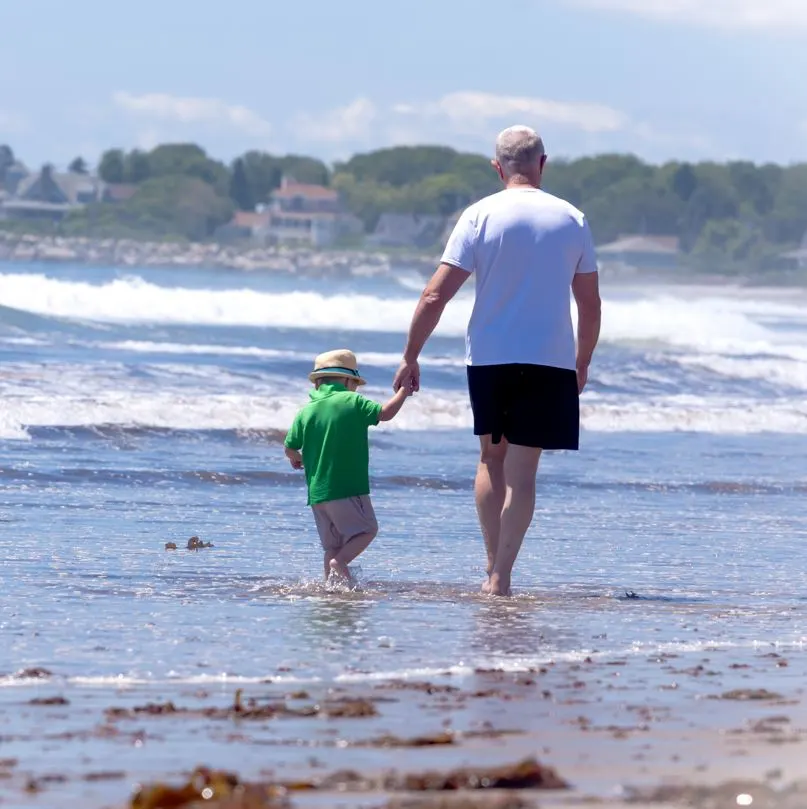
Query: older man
[{"x": 525, "y": 374}]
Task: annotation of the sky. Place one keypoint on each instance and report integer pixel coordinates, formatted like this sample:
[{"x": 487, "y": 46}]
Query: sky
[{"x": 663, "y": 79}]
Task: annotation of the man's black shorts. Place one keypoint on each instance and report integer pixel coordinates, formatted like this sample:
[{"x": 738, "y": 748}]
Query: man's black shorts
[{"x": 530, "y": 405}]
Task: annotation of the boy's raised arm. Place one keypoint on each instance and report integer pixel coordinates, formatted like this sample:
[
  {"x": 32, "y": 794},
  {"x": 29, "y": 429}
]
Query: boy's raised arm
[
  {"x": 391, "y": 408},
  {"x": 295, "y": 457}
]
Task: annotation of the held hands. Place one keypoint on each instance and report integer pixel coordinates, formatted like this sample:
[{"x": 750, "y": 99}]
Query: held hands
[{"x": 408, "y": 376}]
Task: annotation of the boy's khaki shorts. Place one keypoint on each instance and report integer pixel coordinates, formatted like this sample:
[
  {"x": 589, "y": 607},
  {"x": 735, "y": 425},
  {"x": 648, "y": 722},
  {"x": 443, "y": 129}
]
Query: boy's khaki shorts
[{"x": 338, "y": 521}]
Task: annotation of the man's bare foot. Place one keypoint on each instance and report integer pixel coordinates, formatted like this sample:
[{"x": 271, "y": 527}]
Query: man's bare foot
[
  {"x": 498, "y": 586},
  {"x": 340, "y": 569},
  {"x": 486, "y": 585}
]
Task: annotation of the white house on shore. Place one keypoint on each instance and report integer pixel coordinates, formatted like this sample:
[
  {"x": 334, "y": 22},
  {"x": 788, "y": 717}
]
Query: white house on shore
[
  {"x": 640, "y": 252},
  {"x": 299, "y": 215}
]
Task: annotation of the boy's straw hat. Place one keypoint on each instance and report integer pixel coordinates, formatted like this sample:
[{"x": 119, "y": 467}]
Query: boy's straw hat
[{"x": 339, "y": 362}]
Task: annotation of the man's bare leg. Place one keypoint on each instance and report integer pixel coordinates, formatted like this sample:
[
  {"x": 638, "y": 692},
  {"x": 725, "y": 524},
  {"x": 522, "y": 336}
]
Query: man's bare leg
[
  {"x": 351, "y": 549},
  {"x": 489, "y": 493},
  {"x": 520, "y": 469}
]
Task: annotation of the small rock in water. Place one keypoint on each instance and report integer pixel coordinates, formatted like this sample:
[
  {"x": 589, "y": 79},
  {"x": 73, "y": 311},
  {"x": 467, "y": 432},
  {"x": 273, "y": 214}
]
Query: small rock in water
[{"x": 194, "y": 543}]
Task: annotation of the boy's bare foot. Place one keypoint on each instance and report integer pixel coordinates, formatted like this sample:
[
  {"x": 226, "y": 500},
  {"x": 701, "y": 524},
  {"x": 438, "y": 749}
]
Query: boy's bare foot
[
  {"x": 340, "y": 569},
  {"x": 486, "y": 586},
  {"x": 498, "y": 586}
]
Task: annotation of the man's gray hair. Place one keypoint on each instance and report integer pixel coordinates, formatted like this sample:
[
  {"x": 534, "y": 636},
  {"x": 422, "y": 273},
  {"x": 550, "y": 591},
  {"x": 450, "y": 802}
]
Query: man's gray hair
[{"x": 518, "y": 148}]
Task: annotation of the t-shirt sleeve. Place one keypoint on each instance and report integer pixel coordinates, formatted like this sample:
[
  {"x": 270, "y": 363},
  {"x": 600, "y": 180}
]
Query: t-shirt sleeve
[
  {"x": 370, "y": 411},
  {"x": 460, "y": 247},
  {"x": 294, "y": 437},
  {"x": 588, "y": 256}
]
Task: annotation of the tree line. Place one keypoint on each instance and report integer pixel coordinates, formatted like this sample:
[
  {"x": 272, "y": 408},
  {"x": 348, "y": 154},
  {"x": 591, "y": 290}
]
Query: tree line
[{"x": 723, "y": 213}]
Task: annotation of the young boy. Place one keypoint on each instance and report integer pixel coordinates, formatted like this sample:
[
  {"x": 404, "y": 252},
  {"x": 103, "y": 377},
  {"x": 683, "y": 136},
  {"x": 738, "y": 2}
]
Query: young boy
[{"x": 329, "y": 440}]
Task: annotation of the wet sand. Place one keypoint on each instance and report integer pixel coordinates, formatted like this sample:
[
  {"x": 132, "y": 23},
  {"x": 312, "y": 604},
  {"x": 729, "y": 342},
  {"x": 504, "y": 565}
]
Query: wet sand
[{"x": 612, "y": 730}]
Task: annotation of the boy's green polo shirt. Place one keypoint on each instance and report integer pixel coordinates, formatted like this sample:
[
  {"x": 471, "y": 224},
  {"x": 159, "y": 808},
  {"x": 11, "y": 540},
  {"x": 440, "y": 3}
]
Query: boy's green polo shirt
[{"x": 331, "y": 432}]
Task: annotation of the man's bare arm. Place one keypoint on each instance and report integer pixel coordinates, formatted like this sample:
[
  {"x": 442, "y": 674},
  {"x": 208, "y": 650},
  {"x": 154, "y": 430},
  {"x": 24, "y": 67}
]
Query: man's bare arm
[
  {"x": 586, "y": 290},
  {"x": 441, "y": 288}
]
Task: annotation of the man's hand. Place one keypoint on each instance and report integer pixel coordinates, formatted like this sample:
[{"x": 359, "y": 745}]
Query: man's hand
[
  {"x": 582, "y": 377},
  {"x": 295, "y": 458},
  {"x": 407, "y": 375}
]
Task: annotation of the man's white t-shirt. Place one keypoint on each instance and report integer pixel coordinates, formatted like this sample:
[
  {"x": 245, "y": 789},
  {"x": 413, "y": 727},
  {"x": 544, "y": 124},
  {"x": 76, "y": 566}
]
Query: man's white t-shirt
[{"x": 525, "y": 247}]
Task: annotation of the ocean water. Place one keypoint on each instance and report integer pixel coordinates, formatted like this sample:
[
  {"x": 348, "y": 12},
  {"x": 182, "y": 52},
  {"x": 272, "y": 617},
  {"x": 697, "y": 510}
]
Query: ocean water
[{"x": 141, "y": 407}]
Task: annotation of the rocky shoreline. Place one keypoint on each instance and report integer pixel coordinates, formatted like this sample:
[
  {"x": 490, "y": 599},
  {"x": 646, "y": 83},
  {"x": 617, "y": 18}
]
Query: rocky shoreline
[{"x": 131, "y": 253}]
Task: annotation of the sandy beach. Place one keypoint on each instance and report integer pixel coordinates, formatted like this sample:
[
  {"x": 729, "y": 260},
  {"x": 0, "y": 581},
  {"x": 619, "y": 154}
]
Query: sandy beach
[{"x": 605, "y": 730}]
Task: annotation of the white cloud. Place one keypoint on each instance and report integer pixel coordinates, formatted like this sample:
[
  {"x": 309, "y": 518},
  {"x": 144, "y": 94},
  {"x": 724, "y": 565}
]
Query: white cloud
[
  {"x": 471, "y": 120},
  {"x": 473, "y": 109},
  {"x": 465, "y": 114},
  {"x": 188, "y": 110},
  {"x": 12, "y": 123},
  {"x": 783, "y": 15},
  {"x": 349, "y": 123}
]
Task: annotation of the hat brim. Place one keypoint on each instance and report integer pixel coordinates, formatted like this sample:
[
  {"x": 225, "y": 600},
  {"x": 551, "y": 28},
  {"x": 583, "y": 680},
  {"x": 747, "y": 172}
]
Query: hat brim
[{"x": 331, "y": 372}]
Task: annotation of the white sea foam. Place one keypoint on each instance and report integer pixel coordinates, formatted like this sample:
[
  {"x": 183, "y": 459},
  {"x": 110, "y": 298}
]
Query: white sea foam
[
  {"x": 434, "y": 409},
  {"x": 133, "y": 300},
  {"x": 737, "y": 323},
  {"x": 371, "y": 358},
  {"x": 508, "y": 663}
]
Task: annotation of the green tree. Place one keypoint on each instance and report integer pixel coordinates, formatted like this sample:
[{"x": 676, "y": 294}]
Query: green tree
[
  {"x": 137, "y": 167},
  {"x": 78, "y": 166},
  {"x": 304, "y": 169},
  {"x": 241, "y": 192},
  {"x": 400, "y": 165},
  {"x": 112, "y": 167},
  {"x": 263, "y": 172},
  {"x": 787, "y": 222},
  {"x": 6, "y": 161},
  {"x": 190, "y": 160},
  {"x": 173, "y": 206}
]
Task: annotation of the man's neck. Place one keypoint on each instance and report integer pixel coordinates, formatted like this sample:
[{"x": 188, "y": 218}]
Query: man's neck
[{"x": 522, "y": 181}]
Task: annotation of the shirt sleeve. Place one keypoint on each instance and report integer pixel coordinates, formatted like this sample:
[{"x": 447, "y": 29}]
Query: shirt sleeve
[
  {"x": 588, "y": 256},
  {"x": 370, "y": 411},
  {"x": 294, "y": 437},
  {"x": 460, "y": 247}
]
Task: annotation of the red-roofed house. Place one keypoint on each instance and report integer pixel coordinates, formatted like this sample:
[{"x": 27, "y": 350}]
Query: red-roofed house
[
  {"x": 249, "y": 225},
  {"x": 309, "y": 215},
  {"x": 298, "y": 214},
  {"x": 304, "y": 198},
  {"x": 119, "y": 192}
]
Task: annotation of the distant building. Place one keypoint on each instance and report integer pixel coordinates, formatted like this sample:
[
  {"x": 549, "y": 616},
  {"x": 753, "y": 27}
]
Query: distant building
[
  {"x": 794, "y": 259},
  {"x": 118, "y": 192},
  {"x": 297, "y": 215},
  {"x": 245, "y": 226},
  {"x": 52, "y": 195},
  {"x": 407, "y": 230},
  {"x": 13, "y": 176},
  {"x": 449, "y": 224},
  {"x": 641, "y": 252},
  {"x": 294, "y": 197}
]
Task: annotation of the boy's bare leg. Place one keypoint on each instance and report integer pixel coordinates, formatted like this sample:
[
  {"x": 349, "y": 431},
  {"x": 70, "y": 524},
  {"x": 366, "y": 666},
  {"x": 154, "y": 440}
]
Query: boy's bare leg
[
  {"x": 489, "y": 492},
  {"x": 328, "y": 559},
  {"x": 520, "y": 469},
  {"x": 351, "y": 549}
]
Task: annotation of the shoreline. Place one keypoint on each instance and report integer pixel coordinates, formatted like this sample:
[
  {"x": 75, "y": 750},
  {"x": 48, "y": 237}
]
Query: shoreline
[
  {"x": 347, "y": 263},
  {"x": 171, "y": 255},
  {"x": 648, "y": 729}
]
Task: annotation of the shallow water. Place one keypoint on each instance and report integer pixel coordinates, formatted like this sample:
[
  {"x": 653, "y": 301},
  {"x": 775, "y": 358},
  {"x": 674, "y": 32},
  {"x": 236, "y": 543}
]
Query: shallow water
[{"x": 139, "y": 409}]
